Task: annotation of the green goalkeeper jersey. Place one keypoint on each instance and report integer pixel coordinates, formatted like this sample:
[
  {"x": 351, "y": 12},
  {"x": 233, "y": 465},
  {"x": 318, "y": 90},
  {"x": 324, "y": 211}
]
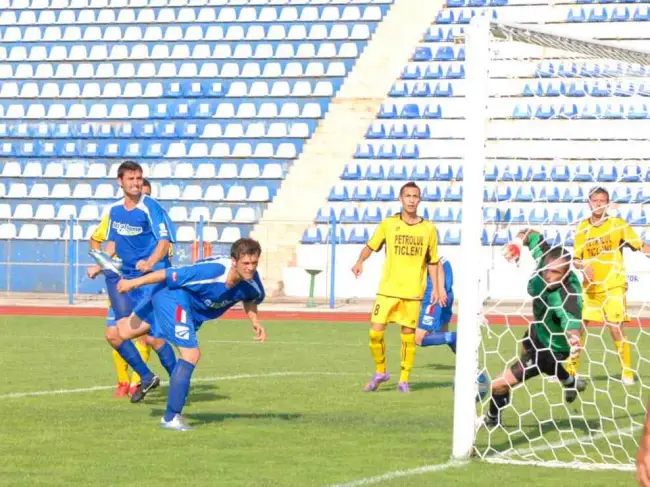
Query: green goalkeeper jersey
[{"x": 554, "y": 311}]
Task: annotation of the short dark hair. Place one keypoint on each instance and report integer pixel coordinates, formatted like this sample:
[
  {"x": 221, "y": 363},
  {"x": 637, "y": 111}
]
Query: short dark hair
[
  {"x": 410, "y": 184},
  {"x": 245, "y": 246},
  {"x": 599, "y": 190},
  {"x": 128, "y": 166},
  {"x": 146, "y": 183},
  {"x": 557, "y": 252}
]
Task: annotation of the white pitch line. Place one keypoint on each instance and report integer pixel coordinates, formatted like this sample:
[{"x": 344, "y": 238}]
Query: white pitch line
[
  {"x": 558, "y": 464},
  {"x": 402, "y": 473},
  {"x": 15, "y": 395}
]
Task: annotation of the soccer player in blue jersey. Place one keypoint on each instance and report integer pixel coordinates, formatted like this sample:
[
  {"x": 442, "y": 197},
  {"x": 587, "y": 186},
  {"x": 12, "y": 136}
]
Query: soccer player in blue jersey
[
  {"x": 433, "y": 328},
  {"x": 183, "y": 299},
  {"x": 140, "y": 233}
]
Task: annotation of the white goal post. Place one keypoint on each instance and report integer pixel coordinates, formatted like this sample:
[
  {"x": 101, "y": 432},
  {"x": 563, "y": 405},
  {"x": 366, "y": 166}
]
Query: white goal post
[{"x": 548, "y": 118}]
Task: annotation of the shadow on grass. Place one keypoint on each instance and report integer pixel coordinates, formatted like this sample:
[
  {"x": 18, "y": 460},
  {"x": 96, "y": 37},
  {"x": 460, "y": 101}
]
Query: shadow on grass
[
  {"x": 198, "y": 418},
  {"x": 436, "y": 367},
  {"x": 198, "y": 393}
]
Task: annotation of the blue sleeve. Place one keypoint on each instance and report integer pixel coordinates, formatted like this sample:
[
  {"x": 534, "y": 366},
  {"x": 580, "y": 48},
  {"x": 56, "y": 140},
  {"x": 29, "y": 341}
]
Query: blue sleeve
[
  {"x": 161, "y": 226},
  {"x": 261, "y": 293},
  {"x": 188, "y": 276}
]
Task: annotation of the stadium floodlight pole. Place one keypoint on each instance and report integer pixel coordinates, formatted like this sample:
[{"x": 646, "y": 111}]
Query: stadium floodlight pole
[{"x": 469, "y": 311}]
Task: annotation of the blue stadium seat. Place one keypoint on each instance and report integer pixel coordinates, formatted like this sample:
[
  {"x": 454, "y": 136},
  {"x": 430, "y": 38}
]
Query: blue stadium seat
[
  {"x": 339, "y": 193},
  {"x": 573, "y": 194},
  {"x": 349, "y": 214},
  {"x": 362, "y": 193},
  {"x": 637, "y": 216},
  {"x": 622, "y": 195},
  {"x": 372, "y": 214},
  {"x": 358, "y": 235},
  {"x": 550, "y": 194},
  {"x": 560, "y": 173},
  {"x": 608, "y": 174},
  {"x": 444, "y": 215},
  {"x": 352, "y": 172},
  {"x": 538, "y": 215},
  {"x": 452, "y": 236},
  {"x": 503, "y": 193},
  {"x": 631, "y": 174},
  {"x": 454, "y": 193},
  {"x": 512, "y": 173},
  {"x": 376, "y": 131},
  {"x": 397, "y": 172},
  {"x": 385, "y": 192},
  {"x": 421, "y": 172},
  {"x": 525, "y": 193},
  {"x": 443, "y": 173},
  {"x": 501, "y": 237},
  {"x": 431, "y": 193},
  {"x": 421, "y": 131},
  {"x": 375, "y": 172},
  {"x": 583, "y": 173},
  {"x": 312, "y": 236},
  {"x": 398, "y": 131},
  {"x": 562, "y": 216}
]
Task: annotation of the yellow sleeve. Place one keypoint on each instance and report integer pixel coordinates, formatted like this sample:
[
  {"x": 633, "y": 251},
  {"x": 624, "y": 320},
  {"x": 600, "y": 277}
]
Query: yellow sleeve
[
  {"x": 378, "y": 238},
  {"x": 432, "y": 248},
  {"x": 629, "y": 236},
  {"x": 101, "y": 232},
  {"x": 579, "y": 242}
]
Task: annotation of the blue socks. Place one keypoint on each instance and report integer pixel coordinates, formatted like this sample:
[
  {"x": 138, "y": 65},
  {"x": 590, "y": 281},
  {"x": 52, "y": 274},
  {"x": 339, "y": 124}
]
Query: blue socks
[
  {"x": 179, "y": 387},
  {"x": 440, "y": 338},
  {"x": 129, "y": 353},
  {"x": 167, "y": 357}
]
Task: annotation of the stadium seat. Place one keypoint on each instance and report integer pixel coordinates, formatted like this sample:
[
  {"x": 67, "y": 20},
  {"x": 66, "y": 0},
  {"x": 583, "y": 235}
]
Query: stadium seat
[
  {"x": 185, "y": 233},
  {"x": 230, "y": 235}
]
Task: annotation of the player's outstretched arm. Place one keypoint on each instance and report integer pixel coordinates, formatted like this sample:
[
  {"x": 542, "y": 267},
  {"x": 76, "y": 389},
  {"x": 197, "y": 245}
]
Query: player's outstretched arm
[
  {"x": 126, "y": 285},
  {"x": 250, "y": 307},
  {"x": 512, "y": 250},
  {"x": 643, "y": 456}
]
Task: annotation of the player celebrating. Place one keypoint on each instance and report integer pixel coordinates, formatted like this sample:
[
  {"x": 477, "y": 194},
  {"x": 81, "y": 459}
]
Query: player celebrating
[
  {"x": 433, "y": 325},
  {"x": 185, "y": 298},
  {"x": 411, "y": 248},
  {"x": 140, "y": 233},
  {"x": 143, "y": 345},
  {"x": 599, "y": 243},
  {"x": 554, "y": 334}
]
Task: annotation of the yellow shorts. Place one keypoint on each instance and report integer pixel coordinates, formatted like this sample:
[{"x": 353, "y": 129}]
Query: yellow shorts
[
  {"x": 405, "y": 312},
  {"x": 610, "y": 306}
]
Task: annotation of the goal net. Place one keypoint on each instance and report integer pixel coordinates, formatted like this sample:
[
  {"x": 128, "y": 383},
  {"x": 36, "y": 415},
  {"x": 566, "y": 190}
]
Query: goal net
[{"x": 549, "y": 118}]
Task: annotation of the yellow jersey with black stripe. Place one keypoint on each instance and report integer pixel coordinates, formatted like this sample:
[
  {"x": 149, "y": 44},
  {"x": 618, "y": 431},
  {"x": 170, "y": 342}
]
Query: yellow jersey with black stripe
[
  {"x": 409, "y": 250},
  {"x": 101, "y": 232},
  {"x": 601, "y": 247}
]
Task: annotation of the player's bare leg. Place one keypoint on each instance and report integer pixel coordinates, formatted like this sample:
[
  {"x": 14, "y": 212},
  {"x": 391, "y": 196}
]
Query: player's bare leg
[
  {"x": 179, "y": 386},
  {"x": 132, "y": 327},
  {"x": 378, "y": 351}
]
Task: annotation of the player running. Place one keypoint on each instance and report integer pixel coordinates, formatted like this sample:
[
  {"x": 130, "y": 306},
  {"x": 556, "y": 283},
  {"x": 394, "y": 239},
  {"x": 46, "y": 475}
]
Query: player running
[
  {"x": 186, "y": 297},
  {"x": 554, "y": 334},
  {"x": 411, "y": 249},
  {"x": 599, "y": 244},
  {"x": 140, "y": 233}
]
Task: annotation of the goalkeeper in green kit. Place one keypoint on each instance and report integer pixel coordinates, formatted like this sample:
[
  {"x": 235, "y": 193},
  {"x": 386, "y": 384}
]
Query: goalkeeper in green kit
[{"x": 554, "y": 333}]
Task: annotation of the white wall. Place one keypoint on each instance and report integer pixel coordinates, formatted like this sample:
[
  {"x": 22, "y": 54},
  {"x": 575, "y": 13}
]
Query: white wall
[{"x": 504, "y": 281}]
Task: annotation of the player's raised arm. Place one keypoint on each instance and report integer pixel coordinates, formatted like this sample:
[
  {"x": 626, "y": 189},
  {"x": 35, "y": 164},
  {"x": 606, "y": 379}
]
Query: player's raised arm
[
  {"x": 375, "y": 244},
  {"x": 250, "y": 307},
  {"x": 126, "y": 285}
]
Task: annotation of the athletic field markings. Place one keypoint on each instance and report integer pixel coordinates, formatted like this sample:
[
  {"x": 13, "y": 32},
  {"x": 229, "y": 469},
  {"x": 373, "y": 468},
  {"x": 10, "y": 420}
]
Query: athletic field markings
[
  {"x": 56, "y": 392},
  {"x": 403, "y": 473}
]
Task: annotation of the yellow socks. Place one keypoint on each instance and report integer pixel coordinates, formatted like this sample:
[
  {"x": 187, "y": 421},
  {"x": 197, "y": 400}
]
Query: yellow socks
[
  {"x": 378, "y": 349},
  {"x": 625, "y": 354},
  {"x": 407, "y": 356},
  {"x": 145, "y": 351},
  {"x": 121, "y": 367}
]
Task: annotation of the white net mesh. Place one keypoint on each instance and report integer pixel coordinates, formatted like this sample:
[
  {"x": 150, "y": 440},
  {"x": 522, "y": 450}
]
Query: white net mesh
[{"x": 564, "y": 116}]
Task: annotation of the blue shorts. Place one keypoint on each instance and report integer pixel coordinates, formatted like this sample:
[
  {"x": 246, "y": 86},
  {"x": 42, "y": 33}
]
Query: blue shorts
[
  {"x": 124, "y": 304},
  {"x": 173, "y": 320},
  {"x": 435, "y": 317},
  {"x": 110, "y": 317}
]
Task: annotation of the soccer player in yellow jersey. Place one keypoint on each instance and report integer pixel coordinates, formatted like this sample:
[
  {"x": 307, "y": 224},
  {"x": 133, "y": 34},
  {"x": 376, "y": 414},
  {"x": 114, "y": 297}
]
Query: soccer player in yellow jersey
[
  {"x": 411, "y": 245},
  {"x": 124, "y": 386},
  {"x": 599, "y": 244}
]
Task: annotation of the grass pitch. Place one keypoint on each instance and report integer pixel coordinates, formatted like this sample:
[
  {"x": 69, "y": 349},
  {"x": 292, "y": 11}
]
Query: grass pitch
[{"x": 287, "y": 412}]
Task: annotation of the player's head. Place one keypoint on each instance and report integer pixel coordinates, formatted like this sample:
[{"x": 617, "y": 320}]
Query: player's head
[
  {"x": 409, "y": 196},
  {"x": 557, "y": 264},
  {"x": 129, "y": 177},
  {"x": 245, "y": 254},
  {"x": 598, "y": 201},
  {"x": 146, "y": 186}
]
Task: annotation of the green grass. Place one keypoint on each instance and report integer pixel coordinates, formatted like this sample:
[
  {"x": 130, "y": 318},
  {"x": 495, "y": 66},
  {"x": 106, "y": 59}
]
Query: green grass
[{"x": 297, "y": 430}]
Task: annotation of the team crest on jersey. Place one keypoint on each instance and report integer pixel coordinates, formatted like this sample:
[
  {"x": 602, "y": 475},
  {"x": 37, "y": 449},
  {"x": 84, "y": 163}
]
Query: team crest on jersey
[
  {"x": 182, "y": 332},
  {"x": 126, "y": 230}
]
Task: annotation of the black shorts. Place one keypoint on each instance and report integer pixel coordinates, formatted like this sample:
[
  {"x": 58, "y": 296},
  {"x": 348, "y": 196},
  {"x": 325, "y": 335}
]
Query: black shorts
[{"x": 536, "y": 359}]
